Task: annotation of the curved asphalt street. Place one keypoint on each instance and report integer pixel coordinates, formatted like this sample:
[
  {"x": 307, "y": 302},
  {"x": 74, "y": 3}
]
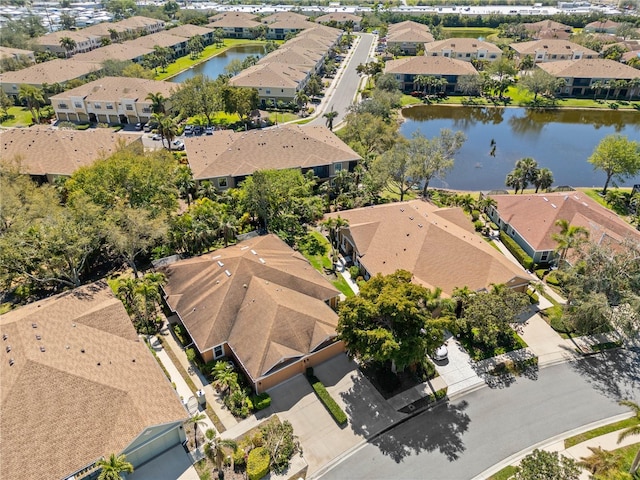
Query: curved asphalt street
[
  {"x": 465, "y": 437},
  {"x": 344, "y": 91}
]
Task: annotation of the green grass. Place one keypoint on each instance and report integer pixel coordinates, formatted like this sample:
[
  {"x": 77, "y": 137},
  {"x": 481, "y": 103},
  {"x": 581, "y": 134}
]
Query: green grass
[
  {"x": 283, "y": 117},
  {"x": 504, "y": 474},
  {"x": 492, "y": 243},
  {"x": 395, "y": 196},
  {"x": 185, "y": 62},
  {"x": 342, "y": 285},
  {"x": 599, "y": 347},
  {"x": 481, "y": 352},
  {"x": 19, "y": 117},
  {"x": 469, "y": 32},
  {"x": 320, "y": 261},
  {"x": 597, "y": 432},
  {"x": 409, "y": 100}
]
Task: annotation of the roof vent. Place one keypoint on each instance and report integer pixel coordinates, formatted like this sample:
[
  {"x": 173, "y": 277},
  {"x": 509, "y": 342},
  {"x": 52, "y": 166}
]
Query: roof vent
[
  {"x": 228, "y": 273},
  {"x": 73, "y": 325},
  {"x": 42, "y": 349},
  {"x": 553, "y": 206},
  {"x": 82, "y": 350},
  {"x": 34, "y": 325},
  {"x": 545, "y": 199},
  {"x": 262, "y": 261},
  {"x": 420, "y": 225},
  {"x": 8, "y": 348},
  {"x": 11, "y": 362},
  {"x": 38, "y": 337},
  {"x": 244, "y": 285},
  {"x": 220, "y": 263},
  {"x": 254, "y": 252},
  {"x": 5, "y": 336}
]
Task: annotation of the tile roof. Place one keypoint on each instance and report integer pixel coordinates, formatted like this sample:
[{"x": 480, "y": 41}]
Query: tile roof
[
  {"x": 590, "y": 68},
  {"x": 284, "y": 17},
  {"x": 598, "y": 25},
  {"x": 53, "y": 71},
  {"x": 551, "y": 47},
  {"x": 547, "y": 25},
  {"x": 229, "y": 153},
  {"x": 409, "y": 31},
  {"x": 54, "y": 37},
  {"x": 187, "y": 30},
  {"x": 339, "y": 17},
  {"x": 293, "y": 55},
  {"x": 44, "y": 150},
  {"x": 461, "y": 45},
  {"x": 116, "y": 88},
  {"x": 162, "y": 39},
  {"x": 425, "y": 65},
  {"x": 292, "y": 24},
  {"x": 116, "y": 51},
  {"x": 270, "y": 74},
  {"x": 138, "y": 21},
  {"x": 534, "y": 217},
  {"x": 82, "y": 384},
  {"x": 243, "y": 15},
  {"x": 269, "y": 307},
  {"x": 7, "y": 52},
  {"x": 102, "y": 29},
  {"x": 439, "y": 246},
  {"x": 234, "y": 19}
]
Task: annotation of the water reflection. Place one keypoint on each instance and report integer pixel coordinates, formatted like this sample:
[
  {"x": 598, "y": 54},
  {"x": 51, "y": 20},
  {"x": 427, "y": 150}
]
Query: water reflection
[
  {"x": 215, "y": 65},
  {"x": 561, "y": 140}
]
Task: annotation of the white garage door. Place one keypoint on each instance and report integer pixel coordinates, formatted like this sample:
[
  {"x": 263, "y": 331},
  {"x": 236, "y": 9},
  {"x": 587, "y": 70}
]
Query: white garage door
[{"x": 154, "y": 448}]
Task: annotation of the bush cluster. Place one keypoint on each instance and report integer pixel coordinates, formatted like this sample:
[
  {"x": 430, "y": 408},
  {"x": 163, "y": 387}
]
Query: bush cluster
[
  {"x": 261, "y": 401},
  {"x": 329, "y": 403},
  {"x": 525, "y": 260},
  {"x": 258, "y": 463}
]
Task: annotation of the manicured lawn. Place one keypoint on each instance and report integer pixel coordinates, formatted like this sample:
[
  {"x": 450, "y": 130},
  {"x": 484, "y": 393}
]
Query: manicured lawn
[
  {"x": 504, "y": 474},
  {"x": 596, "y": 432},
  {"x": 594, "y": 193},
  {"x": 409, "y": 100},
  {"x": 395, "y": 196},
  {"x": 490, "y": 242},
  {"x": 469, "y": 32},
  {"x": 481, "y": 352},
  {"x": 185, "y": 62},
  {"x": 319, "y": 261},
  {"x": 282, "y": 117},
  {"x": 21, "y": 117},
  {"x": 342, "y": 285}
]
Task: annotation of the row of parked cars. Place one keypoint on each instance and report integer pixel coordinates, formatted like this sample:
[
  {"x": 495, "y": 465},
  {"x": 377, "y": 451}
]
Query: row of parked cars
[{"x": 198, "y": 130}]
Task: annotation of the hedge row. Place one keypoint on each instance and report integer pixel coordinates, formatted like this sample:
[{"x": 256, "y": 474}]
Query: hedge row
[
  {"x": 327, "y": 400},
  {"x": 525, "y": 260},
  {"x": 258, "y": 463},
  {"x": 261, "y": 401}
]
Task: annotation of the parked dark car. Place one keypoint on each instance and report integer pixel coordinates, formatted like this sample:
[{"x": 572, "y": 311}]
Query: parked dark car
[{"x": 139, "y": 125}]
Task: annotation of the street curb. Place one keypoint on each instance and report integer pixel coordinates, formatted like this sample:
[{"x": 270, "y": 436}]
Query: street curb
[{"x": 516, "y": 457}]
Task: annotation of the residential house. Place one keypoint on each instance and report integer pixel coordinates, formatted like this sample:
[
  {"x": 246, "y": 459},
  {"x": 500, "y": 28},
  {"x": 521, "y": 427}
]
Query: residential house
[
  {"x": 341, "y": 19},
  {"x": 582, "y": 77},
  {"x": 548, "y": 29},
  {"x": 439, "y": 246},
  {"x": 228, "y": 157},
  {"x": 552, "y": 50},
  {"x": 177, "y": 44},
  {"x": 279, "y": 30},
  {"x": 466, "y": 49},
  {"x": 108, "y": 30},
  {"x": 531, "y": 221},
  {"x": 78, "y": 384},
  {"x": 55, "y": 71},
  {"x": 260, "y": 303},
  {"x": 274, "y": 81},
  {"x": 407, "y": 70},
  {"x": 85, "y": 42},
  {"x": 189, "y": 31},
  {"x": 602, "y": 26},
  {"x": 408, "y": 37},
  {"x": 16, "y": 53},
  {"x": 130, "y": 50},
  {"x": 236, "y": 24},
  {"x": 299, "y": 56},
  {"x": 111, "y": 100},
  {"x": 142, "y": 25},
  {"x": 45, "y": 153}
]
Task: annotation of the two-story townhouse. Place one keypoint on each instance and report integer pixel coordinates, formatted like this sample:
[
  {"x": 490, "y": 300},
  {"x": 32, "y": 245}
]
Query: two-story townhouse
[
  {"x": 548, "y": 29},
  {"x": 17, "y": 53},
  {"x": 341, "y": 20},
  {"x": 408, "y": 70},
  {"x": 602, "y": 26},
  {"x": 227, "y": 158},
  {"x": 465, "y": 49},
  {"x": 595, "y": 77},
  {"x": 142, "y": 25},
  {"x": 50, "y": 42},
  {"x": 175, "y": 43},
  {"x": 236, "y": 24},
  {"x": 408, "y": 37},
  {"x": 111, "y": 100},
  {"x": 189, "y": 31},
  {"x": 281, "y": 29},
  {"x": 552, "y": 50},
  {"x": 130, "y": 50}
]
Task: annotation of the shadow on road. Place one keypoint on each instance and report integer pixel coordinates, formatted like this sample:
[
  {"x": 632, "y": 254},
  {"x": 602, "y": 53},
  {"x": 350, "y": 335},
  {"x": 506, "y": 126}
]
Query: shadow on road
[
  {"x": 614, "y": 373},
  {"x": 439, "y": 429}
]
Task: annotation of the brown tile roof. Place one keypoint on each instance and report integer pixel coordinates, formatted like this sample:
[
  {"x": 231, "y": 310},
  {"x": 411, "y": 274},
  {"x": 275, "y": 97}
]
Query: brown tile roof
[
  {"x": 293, "y": 55},
  {"x": 54, "y": 37},
  {"x": 292, "y": 24},
  {"x": 116, "y": 51},
  {"x": 437, "y": 245},
  {"x": 590, "y": 68},
  {"x": 188, "y": 31},
  {"x": 408, "y": 24},
  {"x": 534, "y": 217},
  {"x": 162, "y": 39},
  {"x": 424, "y": 65},
  {"x": 461, "y": 45},
  {"x": 102, "y": 29},
  {"x": 409, "y": 36},
  {"x": 53, "y": 71},
  {"x": 229, "y": 153},
  {"x": 551, "y": 47},
  {"x": 44, "y": 150},
  {"x": 87, "y": 387},
  {"x": 7, "y": 52},
  {"x": 270, "y": 306},
  {"x": 629, "y": 55},
  {"x": 138, "y": 22},
  {"x": 245, "y": 15},
  {"x": 234, "y": 19},
  {"x": 284, "y": 17},
  {"x": 339, "y": 17},
  {"x": 598, "y": 25},
  {"x": 271, "y": 75},
  {"x": 116, "y": 88},
  {"x": 548, "y": 25}
]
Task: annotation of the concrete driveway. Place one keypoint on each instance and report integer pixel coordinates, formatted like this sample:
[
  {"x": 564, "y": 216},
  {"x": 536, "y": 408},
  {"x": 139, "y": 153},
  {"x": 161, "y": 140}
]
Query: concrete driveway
[
  {"x": 174, "y": 464},
  {"x": 457, "y": 370}
]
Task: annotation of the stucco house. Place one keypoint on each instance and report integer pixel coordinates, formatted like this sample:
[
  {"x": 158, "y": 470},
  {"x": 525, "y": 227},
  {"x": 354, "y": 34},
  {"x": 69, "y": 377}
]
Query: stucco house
[
  {"x": 228, "y": 157},
  {"x": 50, "y": 42},
  {"x": 407, "y": 70},
  {"x": 78, "y": 384},
  {"x": 465, "y": 49},
  {"x": 548, "y": 29},
  {"x": 236, "y": 24},
  {"x": 408, "y": 36},
  {"x": 552, "y": 50},
  {"x": 602, "y": 26},
  {"x": 438, "y": 246},
  {"x": 531, "y": 221},
  {"x": 340, "y": 19},
  {"x": 258, "y": 302}
]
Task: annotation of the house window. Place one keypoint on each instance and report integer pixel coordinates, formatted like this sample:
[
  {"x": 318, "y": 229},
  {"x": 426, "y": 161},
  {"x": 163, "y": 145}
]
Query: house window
[
  {"x": 493, "y": 55},
  {"x": 97, "y": 106},
  {"x": 554, "y": 57},
  {"x": 544, "y": 256},
  {"x": 63, "y": 105},
  {"x": 222, "y": 182},
  {"x": 481, "y": 55},
  {"x": 268, "y": 91},
  {"x": 218, "y": 352},
  {"x": 109, "y": 106},
  {"x": 468, "y": 55},
  {"x": 146, "y": 110},
  {"x": 337, "y": 167},
  {"x": 77, "y": 104},
  {"x": 129, "y": 107}
]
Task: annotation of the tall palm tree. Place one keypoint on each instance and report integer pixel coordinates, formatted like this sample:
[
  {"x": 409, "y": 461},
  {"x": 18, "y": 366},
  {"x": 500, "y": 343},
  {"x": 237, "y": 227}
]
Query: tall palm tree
[
  {"x": 114, "y": 35},
  {"x": 514, "y": 180},
  {"x": 224, "y": 378},
  {"x": 596, "y": 87},
  {"x": 216, "y": 447},
  {"x": 167, "y": 128},
  {"x": 528, "y": 169},
  {"x": 157, "y": 102},
  {"x": 113, "y": 467},
  {"x": 185, "y": 183},
  {"x": 600, "y": 461},
  {"x": 229, "y": 226},
  {"x": 195, "y": 420},
  {"x": 543, "y": 179},
  {"x": 633, "y": 430},
  {"x": 69, "y": 45},
  {"x": 570, "y": 236},
  {"x": 301, "y": 99},
  {"x": 33, "y": 98},
  {"x": 330, "y": 116}
]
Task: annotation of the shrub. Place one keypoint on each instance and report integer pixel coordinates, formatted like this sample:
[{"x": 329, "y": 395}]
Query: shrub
[
  {"x": 354, "y": 271},
  {"x": 493, "y": 226},
  {"x": 329, "y": 403},
  {"x": 258, "y": 463},
  {"x": 552, "y": 279},
  {"x": 261, "y": 401},
  {"x": 478, "y": 225},
  {"x": 475, "y": 215},
  {"x": 525, "y": 260},
  {"x": 239, "y": 457},
  {"x": 191, "y": 354},
  {"x": 540, "y": 272},
  {"x": 533, "y": 297}
]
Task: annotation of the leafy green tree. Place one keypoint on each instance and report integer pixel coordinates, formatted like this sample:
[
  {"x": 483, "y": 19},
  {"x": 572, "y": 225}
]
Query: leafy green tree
[
  {"x": 548, "y": 466},
  {"x": 588, "y": 315},
  {"x": 5, "y": 104},
  {"x": 157, "y": 102},
  {"x": 313, "y": 86},
  {"x": 539, "y": 82},
  {"x": 388, "y": 82},
  {"x": 112, "y": 468},
  {"x": 234, "y": 67},
  {"x": 391, "y": 321},
  {"x": 33, "y": 98},
  {"x": 216, "y": 447},
  {"x": 618, "y": 157},
  {"x": 281, "y": 443},
  {"x": 198, "y": 229},
  {"x": 171, "y": 8},
  {"x": 67, "y": 22},
  {"x": 394, "y": 167},
  {"x": 368, "y": 134},
  {"x": 470, "y": 84},
  {"x": 121, "y": 9},
  {"x": 135, "y": 70},
  {"x": 199, "y": 96},
  {"x": 240, "y": 100}
]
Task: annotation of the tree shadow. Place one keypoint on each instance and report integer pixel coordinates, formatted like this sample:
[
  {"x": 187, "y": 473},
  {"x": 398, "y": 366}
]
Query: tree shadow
[
  {"x": 441, "y": 430},
  {"x": 614, "y": 373}
]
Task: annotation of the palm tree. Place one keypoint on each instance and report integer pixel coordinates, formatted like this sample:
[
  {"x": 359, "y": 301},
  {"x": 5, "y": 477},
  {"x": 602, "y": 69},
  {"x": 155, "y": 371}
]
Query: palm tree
[
  {"x": 600, "y": 461},
  {"x": 224, "y": 378},
  {"x": 570, "y": 236},
  {"x": 114, "y": 35},
  {"x": 229, "y": 228},
  {"x": 185, "y": 183},
  {"x": 633, "y": 430},
  {"x": 514, "y": 180},
  {"x": 167, "y": 128},
  {"x": 596, "y": 87},
  {"x": 543, "y": 180},
  {"x": 528, "y": 169},
  {"x": 197, "y": 419},
  {"x": 69, "y": 45},
  {"x": 333, "y": 226},
  {"x": 216, "y": 447},
  {"x": 157, "y": 102},
  {"x": 330, "y": 116},
  {"x": 301, "y": 99},
  {"x": 113, "y": 467},
  {"x": 423, "y": 81},
  {"x": 33, "y": 98}
]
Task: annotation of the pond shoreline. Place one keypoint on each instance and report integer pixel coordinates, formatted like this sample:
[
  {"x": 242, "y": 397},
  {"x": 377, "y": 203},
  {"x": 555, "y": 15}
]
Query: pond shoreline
[{"x": 550, "y": 109}]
